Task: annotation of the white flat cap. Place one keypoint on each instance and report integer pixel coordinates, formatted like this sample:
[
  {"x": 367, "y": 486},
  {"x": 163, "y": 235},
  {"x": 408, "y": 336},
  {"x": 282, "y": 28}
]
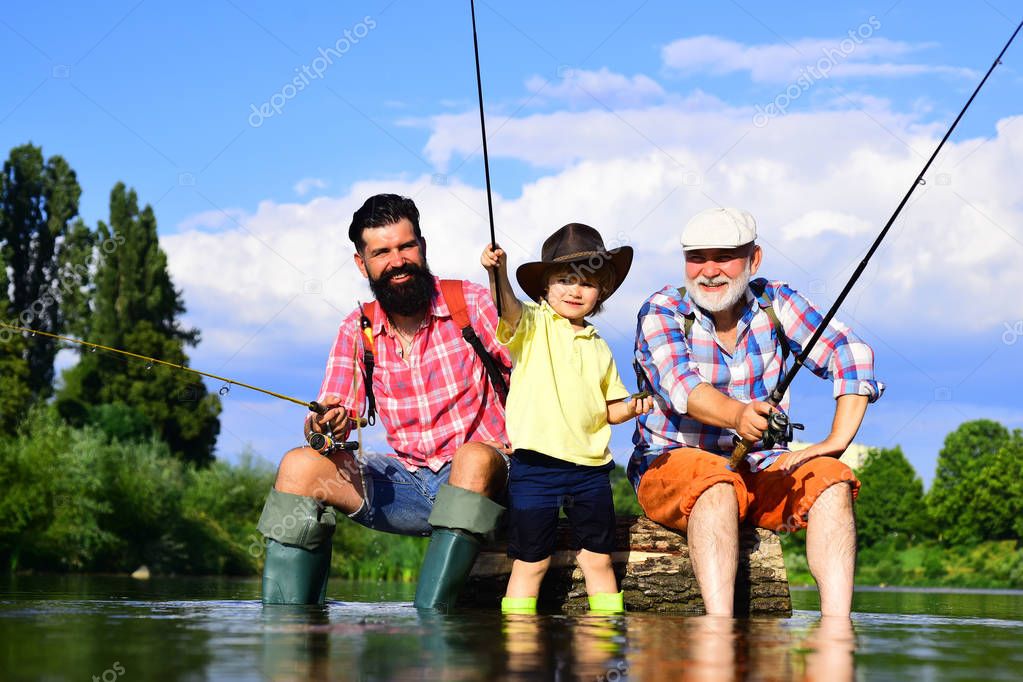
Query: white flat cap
[{"x": 719, "y": 228}]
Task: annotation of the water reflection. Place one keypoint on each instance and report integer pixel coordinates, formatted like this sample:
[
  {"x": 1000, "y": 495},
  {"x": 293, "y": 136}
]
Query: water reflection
[
  {"x": 589, "y": 647},
  {"x": 76, "y": 629}
]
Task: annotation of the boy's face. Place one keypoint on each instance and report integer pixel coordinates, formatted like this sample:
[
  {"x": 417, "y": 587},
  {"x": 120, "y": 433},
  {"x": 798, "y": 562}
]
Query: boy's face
[{"x": 572, "y": 296}]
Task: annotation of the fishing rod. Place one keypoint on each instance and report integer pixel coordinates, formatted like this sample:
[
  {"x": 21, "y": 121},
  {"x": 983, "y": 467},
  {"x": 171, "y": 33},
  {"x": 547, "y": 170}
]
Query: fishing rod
[
  {"x": 318, "y": 441},
  {"x": 486, "y": 157},
  {"x": 779, "y": 428}
]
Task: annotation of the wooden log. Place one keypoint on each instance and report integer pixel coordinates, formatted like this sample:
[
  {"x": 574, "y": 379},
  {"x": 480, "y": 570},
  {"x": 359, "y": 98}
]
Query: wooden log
[{"x": 653, "y": 568}]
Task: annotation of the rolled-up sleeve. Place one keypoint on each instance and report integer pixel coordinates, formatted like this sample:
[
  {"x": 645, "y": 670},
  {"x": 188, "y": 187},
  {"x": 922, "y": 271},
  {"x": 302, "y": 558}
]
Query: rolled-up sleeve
[
  {"x": 839, "y": 355},
  {"x": 663, "y": 353}
]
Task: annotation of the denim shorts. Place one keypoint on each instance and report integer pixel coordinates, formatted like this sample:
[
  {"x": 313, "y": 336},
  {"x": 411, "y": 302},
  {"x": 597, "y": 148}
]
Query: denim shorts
[
  {"x": 397, "y": 500},
  {"x": 539, "y": 487}
]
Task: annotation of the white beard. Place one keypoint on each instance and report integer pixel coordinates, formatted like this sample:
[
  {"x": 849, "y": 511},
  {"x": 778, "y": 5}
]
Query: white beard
[{"x": 723, "y": 300}]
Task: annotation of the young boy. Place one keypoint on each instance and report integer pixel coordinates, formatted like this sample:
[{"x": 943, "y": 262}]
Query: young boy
[{"x": 565, "y": 391}]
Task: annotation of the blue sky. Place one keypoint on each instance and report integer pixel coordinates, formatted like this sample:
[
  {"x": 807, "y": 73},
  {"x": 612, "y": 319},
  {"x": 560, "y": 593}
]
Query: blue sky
[{"x": 629, "y": 116}]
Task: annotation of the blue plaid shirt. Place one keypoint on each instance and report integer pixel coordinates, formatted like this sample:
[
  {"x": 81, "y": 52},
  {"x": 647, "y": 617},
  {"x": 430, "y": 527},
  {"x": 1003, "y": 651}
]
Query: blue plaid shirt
[{"x": 673, "y": 366}]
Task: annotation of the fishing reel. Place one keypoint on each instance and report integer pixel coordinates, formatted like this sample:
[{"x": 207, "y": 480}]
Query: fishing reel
[
  {"x": 324, "y": 443},
  {"x": 780, "y": 429}
]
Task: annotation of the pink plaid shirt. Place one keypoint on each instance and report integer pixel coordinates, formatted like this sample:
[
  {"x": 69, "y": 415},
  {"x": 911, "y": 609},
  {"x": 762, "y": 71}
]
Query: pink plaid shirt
[{"x": 437, "y": 398}]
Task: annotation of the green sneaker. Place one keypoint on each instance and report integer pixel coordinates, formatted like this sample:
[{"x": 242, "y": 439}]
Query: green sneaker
[
  {"x": 525, "y": 605},
  {"x": 607, "y": 602}
]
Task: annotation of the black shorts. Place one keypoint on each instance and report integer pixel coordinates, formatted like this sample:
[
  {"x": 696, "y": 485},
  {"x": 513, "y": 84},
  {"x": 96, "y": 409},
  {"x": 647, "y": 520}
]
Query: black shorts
[{"x": 539, "y": 486}]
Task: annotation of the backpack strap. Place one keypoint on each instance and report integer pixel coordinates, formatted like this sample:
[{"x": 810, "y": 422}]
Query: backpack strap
[
  {"x": 454, "y": 296},
  {"x": 368, "y": 314},
  {"x": 759, "y": 292},
  {"x": 690, "y": 316},
  {"x": 759, "y": 289}
]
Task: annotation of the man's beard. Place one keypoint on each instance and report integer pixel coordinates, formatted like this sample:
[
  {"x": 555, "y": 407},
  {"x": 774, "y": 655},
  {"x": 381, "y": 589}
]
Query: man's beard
[
  {"x": 715, "y": 303},
  {"x": 409, "y": 298}
]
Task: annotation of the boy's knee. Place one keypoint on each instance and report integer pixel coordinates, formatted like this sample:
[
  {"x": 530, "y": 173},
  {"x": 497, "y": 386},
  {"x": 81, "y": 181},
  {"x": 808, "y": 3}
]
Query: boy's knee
[
  {"x": 592, "y": 560},
  {"x": 534, "y": 568}
]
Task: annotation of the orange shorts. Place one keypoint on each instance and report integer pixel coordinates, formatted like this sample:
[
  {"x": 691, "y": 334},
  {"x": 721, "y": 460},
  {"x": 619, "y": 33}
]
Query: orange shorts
[{"x": 769, "y": 499}]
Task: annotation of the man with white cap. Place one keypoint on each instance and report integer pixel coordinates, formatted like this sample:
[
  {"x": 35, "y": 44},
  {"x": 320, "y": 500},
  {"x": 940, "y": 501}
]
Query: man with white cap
[{"x": 711, "y": 353}]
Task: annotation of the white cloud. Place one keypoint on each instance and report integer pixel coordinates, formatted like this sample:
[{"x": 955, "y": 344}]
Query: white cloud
[
  {"x": 305, "y": 185},
  {"x": 821, "y": 185},
  {"x": 844, "y": 57},
  {"x": 602, "y": 88}
]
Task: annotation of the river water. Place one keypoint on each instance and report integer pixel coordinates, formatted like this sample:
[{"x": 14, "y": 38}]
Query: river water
[{"x": 118, "y": 629}]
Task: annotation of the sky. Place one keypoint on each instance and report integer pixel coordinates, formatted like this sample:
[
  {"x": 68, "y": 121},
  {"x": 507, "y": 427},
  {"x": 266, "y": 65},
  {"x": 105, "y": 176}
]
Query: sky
[{"x": 256, "y": 129}]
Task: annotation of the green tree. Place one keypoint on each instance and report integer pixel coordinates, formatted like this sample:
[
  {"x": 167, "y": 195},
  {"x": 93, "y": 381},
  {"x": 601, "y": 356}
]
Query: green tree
[
  {"x": 969, "y": 452},
  {"x": 891, "y": 498},
  {"x": 15, "y": 393},
  {"x": 135, "y": 307},
  {"x": 998, "y": 502},
  {"x": 38, "y": 201}
]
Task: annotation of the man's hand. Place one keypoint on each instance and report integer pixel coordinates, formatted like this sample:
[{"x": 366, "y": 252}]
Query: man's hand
[
  {"x": 334, "y": 417},
  {"x": 751, "y": 421},
  {"x": 791, "y": 461}
]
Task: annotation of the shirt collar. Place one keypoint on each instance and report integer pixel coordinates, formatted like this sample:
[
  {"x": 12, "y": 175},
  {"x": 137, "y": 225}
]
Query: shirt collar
[{"x": 587, "y": 331}]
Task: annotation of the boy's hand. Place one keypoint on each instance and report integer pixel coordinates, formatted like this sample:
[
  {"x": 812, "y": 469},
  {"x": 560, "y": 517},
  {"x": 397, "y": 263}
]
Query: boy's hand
[
  {"x": 493, "y": 259},
  {"x": 641, "y": 403}
]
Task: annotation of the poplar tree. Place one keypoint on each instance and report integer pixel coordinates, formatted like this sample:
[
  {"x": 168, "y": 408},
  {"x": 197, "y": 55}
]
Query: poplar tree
[
  {"x": 135, "y": 307},
  {"x": 38, "y": 243}
]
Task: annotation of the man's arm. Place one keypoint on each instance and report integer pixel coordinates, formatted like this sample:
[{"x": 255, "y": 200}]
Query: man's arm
[
  {"x": 339, "y": 393},
  {"x": 710, "y": 406}
]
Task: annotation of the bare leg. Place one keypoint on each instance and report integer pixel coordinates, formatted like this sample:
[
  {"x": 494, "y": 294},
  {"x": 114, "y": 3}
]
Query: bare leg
[
  {"x": 480, "y": 468},
  {"x": 713, "y": 534},
  {"x": 597, "y": 570},
  {"x": 831, "y": 549},
  {"x": 526, "y": 577},
  {"x": 832, "y": 645},
  {"x": 335, "y": 480}
]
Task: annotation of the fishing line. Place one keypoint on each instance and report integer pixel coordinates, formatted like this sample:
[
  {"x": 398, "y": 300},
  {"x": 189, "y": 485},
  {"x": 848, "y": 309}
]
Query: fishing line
[{"x": 781, "y": 423}]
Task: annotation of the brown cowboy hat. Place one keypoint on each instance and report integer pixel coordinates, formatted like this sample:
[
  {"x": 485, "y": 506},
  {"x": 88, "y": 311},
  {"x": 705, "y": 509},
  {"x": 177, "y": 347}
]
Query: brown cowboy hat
[{"x": 579, "y": 244}]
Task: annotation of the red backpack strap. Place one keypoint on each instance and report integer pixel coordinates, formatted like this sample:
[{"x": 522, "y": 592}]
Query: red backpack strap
[{"x": 454, "y": 296}]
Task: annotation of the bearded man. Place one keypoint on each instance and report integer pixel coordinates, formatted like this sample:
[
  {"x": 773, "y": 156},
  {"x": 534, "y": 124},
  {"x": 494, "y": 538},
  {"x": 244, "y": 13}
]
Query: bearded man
[
  {"x": 711, "y": 353},
  {"x": 443, "y": 417}
]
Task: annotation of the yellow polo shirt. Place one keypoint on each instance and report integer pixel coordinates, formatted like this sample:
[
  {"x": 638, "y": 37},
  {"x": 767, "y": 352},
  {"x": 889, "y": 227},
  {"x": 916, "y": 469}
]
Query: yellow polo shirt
[{"x": 561, "y": 382}]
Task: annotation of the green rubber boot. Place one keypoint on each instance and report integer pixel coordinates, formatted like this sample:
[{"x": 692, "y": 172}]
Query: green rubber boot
[
  {"x": 459, "y": 518},
  {"x": 447, "y": 563},
  {"x": 293, "y": 575},
  {"x": 298, "y": 532}
]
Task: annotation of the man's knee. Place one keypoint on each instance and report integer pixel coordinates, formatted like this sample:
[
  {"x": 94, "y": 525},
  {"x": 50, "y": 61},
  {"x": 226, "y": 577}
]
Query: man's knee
[
  {"x": 304, "y": 471},
  {"x": 718, "y": 498},
  {"x": 479, "y": 468},
  {"x": 834, "y": 501}
]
